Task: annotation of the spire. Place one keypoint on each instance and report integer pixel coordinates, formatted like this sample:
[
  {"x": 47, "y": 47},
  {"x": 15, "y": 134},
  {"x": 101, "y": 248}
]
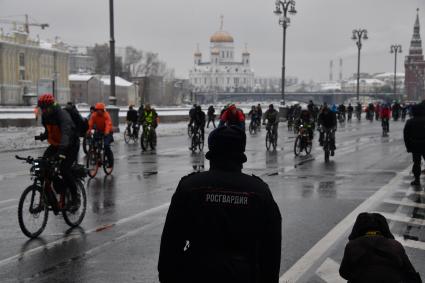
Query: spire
[
  {"x": 246, "y": 52},
  {"x": 416, "y": 42},
  {"x": 221, "y": 22}
]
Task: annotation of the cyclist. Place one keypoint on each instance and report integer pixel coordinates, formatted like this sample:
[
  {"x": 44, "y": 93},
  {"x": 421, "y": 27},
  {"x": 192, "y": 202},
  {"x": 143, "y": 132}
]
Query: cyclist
[
  {"x": 191, "y": 114},
  {"x": 253, "y": 115},
  {"x": 396, "y": 110},
  {"x": 199, "y": 120},
  {"x": 307, "y": 121},
  {"x": 211, "y": 115},
  {"x": 359, "y": 111},
  {"x": 149, "y": 117},
  {"x": 272, "y": 117},
  {"x": 233, "y": 116},
  {"x": 378, "y": 109},
  {"x": 260, "y": 113},
  {"x": 350, "y": 110},
  {"x": 385, "y": 116},
  {"x": 103, "y": 123},
  {"x": 61, "y": 134},
  {"x": 341, "y": 111},
  {"x": 327, "y": 122},
  {"x": 132, "y": 118}
]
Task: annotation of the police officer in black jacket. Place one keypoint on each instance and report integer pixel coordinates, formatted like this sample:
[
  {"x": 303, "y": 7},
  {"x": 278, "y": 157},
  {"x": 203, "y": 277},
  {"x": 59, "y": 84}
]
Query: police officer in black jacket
[
  {"x": 222, "y": 225},
  {"x": 414, "y": 139}
]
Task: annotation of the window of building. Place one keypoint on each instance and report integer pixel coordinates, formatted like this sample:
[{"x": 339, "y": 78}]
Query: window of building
[
  {"x": 228, "y": 81},
  {"x": 21, "y": 60},
  {"x": 236, "y": 70},
  {"x": 244, "y": 81},
  {"x": 228, "y": 54},
  {"x": 21, "y": 75},
  {"x": 216, "y": 81},
  {"x": 247, "y": 61},
  {"x": 205, "y": 81},
  {"x": 196, "y": 80},
  {"x": 222, "y": 54}
]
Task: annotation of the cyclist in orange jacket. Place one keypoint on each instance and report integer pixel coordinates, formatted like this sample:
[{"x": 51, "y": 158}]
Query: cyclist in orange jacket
[{"x": 102, "y": 122}]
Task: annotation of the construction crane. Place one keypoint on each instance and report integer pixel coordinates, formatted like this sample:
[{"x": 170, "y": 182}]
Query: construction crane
[{"x": 25, "y": 24}]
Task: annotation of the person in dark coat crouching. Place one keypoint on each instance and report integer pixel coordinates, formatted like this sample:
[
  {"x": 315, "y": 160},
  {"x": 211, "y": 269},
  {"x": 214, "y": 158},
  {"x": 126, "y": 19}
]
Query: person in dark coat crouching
[
  {"x": 222, "y": 225},
  {"x": 373, "y": 255},
  {"x": 414, "y": 139}
]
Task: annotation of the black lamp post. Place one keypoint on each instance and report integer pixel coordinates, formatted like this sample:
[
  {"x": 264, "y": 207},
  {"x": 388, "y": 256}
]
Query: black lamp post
[
  {"x": 358, "y": 35},
  {"x": 282, "y": 9},
  {"x": 396, "y": 48}
]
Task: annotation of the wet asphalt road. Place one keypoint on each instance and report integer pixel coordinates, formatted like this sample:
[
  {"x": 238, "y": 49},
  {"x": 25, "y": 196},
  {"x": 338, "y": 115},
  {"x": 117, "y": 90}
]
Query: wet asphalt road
[{"x": 119, "y": 238}]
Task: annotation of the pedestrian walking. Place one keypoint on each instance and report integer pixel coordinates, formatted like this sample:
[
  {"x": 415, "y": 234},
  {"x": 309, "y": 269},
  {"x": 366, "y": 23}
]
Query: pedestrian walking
[
  {"x": 222, "y": 225},
  {"x": 414, "y": 139},
  {"x": 211, "y": 116},
  {"x": 373, "y": 255}
]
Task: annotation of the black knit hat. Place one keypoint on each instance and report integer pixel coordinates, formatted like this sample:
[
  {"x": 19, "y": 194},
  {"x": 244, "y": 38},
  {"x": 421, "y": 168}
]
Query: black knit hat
[{"x": 227, "y": 143}]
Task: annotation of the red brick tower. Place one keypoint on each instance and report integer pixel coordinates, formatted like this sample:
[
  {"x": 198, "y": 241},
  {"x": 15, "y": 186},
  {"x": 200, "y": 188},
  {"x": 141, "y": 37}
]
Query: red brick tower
[{"x": 415, "y": 66}]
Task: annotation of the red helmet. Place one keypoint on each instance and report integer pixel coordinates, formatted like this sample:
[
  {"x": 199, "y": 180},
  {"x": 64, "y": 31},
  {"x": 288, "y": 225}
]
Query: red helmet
[
  {"x": 45, "y": 100},
  {"x": 100, "y": 106}
]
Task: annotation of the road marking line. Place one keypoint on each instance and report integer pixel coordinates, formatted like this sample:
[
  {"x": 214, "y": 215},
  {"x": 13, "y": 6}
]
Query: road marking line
[
  {"x": 69, "y": 238},
  {"x": 329, "y": 272},
  {"x": 8, "y": 207},
  {"x": 8, "y": 200},
  {"x": 318, "y": 250},
  {"x": 411, "y": 192},
  {"x": 405, "y": 203},
  {"x": 410, "y": 243},
  {"x": 403, "y": 219}
]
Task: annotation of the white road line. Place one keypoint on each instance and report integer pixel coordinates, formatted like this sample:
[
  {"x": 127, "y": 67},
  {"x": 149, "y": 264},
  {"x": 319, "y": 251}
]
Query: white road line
[
  {"x": 329, "y": 272},
  {"x": 8, "y": 200},
  {"x": 405, "y": 203},
  {"x": 403, "y": 219},
  {"x": 320, "y": 248},
  {"x": 69, "y": 238},
  {"x": 411, "y": 243},
  {"x": 411, "y": 192},
  {"x": 8, "y": 207}
]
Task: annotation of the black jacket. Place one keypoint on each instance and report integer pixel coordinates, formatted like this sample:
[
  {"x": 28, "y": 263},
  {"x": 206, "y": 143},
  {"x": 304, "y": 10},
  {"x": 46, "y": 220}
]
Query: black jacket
[
  {"x": 328, "y": 120},
  {"x": 221, "y": 227},
  {"x": 59, "y": 127},
  {"x": 376, "y": 259},
  {"x": 414, "y": 135},
  {"x": 132, "y": 116}
]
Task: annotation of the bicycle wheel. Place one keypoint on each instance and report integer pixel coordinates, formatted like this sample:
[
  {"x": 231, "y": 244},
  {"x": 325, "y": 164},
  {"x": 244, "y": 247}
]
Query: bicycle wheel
[
  {"x": 127, "y": 136},
  {"x": 92, "y": 163},
  {"x": 201, "y": 143},
  {"x": 152, "y": 141},
  {"x": 106, "y": 163},
  {"x": 268, "y": 140},
  {"x": 144, "y": 142},
  {"x": 189, "y": 131},
  {"x": 274, "y": 141},
  {"x": 297, "y": 146},
  {"x": 32, "y": 212},
  {"x": 74, "y": 218},
  {"x": 85, "y": 145},
  {"x": 251, "y": 128},
  {"x": 308, "y": 146},
  {"x": 194, "y": 142}
]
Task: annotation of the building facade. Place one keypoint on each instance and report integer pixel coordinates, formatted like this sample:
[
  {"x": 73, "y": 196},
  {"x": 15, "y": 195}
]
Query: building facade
[
  {"x": 222, "y": 72},
  {"x": 86, "y": 89},
  {"x": 29, "y": 68},
  {"x": 80, "y": 63},
  {"x": 414, "y": 65}
]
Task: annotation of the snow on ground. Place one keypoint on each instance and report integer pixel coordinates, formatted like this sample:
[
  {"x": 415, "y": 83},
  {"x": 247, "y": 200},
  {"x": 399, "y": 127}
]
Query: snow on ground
[{"x": 15, "y": 139}]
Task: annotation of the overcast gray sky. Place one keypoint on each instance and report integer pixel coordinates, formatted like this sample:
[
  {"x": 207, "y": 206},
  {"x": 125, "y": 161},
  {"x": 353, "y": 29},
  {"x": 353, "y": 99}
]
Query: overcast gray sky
[{"x": 320, "y": 31}]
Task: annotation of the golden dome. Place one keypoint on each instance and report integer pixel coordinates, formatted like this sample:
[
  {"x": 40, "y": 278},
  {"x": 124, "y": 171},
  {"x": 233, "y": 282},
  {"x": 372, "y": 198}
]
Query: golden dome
[{"x": 221, "y": 37}]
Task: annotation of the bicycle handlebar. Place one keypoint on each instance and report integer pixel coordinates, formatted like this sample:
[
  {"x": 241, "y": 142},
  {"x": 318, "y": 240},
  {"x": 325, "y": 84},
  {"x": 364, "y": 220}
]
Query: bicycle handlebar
[{"x": 28, "y": 159}]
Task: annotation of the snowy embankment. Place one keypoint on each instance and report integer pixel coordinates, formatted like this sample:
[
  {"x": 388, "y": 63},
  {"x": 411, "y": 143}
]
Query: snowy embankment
[{"x": 16, "y": 139}]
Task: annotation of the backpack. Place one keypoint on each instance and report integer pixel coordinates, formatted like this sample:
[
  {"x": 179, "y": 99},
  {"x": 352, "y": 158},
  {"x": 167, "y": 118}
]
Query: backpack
[{"x": 81, "y": 124}]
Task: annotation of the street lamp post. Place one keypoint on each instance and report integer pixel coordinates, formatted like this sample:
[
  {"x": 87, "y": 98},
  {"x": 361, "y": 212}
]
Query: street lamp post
[
  {"x": 112, "y": 109},
  {"x": 358, "y": 35},
  {"x": 396, "y": 48},
  {"x": 282, "y": 9}
]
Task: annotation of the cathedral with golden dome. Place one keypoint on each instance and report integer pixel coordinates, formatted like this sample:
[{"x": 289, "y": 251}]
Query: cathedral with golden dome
[{"x": 222, "y": 72}]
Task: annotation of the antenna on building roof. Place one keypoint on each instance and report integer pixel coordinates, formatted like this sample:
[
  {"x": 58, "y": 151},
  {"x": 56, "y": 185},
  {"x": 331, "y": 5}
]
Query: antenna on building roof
[{"x": 221, "y": 22}]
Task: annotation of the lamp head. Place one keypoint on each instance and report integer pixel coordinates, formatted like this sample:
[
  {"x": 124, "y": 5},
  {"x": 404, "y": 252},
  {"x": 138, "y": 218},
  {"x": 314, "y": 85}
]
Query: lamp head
[
  {"x": 278, "y": 11},
  {"x": 292, "y": 10},
  {"x": 365, "y": 37}
]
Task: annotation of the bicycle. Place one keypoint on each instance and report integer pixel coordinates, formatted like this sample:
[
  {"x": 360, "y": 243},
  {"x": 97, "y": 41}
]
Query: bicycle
[
  {"x": 148, "y": 137},
  {"x": 190, "y": 129},
  {"x": 302, "y": 142},
  {"x": 385, "y": 127},
  {"x": 358, "y": 116},
  {"x": 349, "y": 116},
  {"x": 253, "y": 126},
  {"x": 86, "y": 143},
  {"x": 197, "y": 140},
  {"x": 271, "y": 138},
  {"x": 49, "y": 193},
  {"x": 130, "y": 135},
  {"x": 327, "y": 144},
  {"x": 341, "y": 119},
  {"x": 97, "y": 156}
]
